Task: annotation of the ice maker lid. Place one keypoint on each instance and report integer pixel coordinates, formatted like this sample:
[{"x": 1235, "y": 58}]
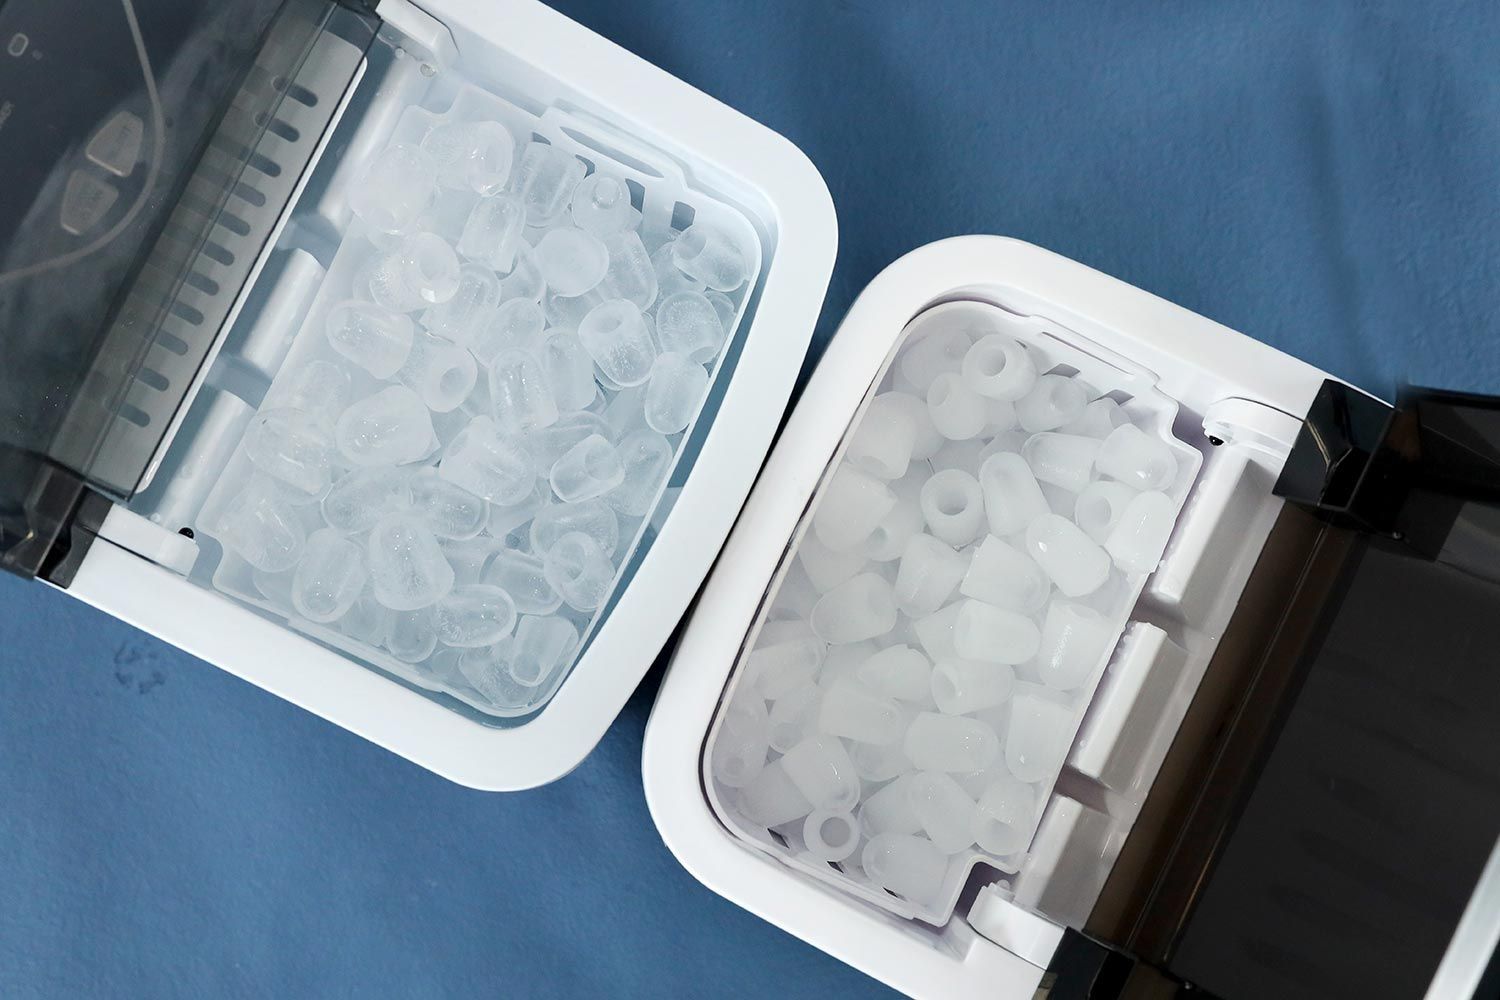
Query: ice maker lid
[{"x": 143, "y": 148}]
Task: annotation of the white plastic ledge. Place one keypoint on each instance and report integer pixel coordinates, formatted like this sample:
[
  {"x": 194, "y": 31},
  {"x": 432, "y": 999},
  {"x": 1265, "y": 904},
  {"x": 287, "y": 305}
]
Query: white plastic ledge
[{"x": 553, "y": 743}]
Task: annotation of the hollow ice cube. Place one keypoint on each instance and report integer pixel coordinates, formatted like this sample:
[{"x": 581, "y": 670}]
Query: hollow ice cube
[
  {"x": 940, "y": 352},
  {"x": 859, "y": 608},
  {"x": 488, "y": 464},
  {"x": 1073, "y": 642},
  {"x": 292, "y": 446},
  {"x": 542, "y": 647},
  {"x": 898, "y": 672},
  {"x": 1001, "y": 575},
  {"x": 669, "y": 279},
  {"x": 579, "y": 571},
  {"x": 442, "y": 374},
  {"x": 1012, "y": 498},
  {"x": 407, "y": 568},
  {"x": 686, "y": 323},
  {"x": 410, "y": 636},
  {"x": 1100, "y": 506},
  {"x": 391, "y": 427},
  {"x": 260, "y": 525},
  {"x": 524, "y": 577},
  {"x": 549, "y": 443},
  {"x": 569, "y": 371},
  {"x": 476, "y": 614},
  {"x": 589, "y": 469},
  {"x": 739, "y": 748},
  {"x": 929, "y": 572},
  {"x": 516, "y": 325},
  {"x": 1138, "y": 539},
  {"x": 830, "y": 835},
  {"x": 958, "y": 412},
  {"x": 470, "y": 308},
  {"x": 493, "y": 233},
  {"x": 710, "y": 255},
  {"x": 421, "y": 272},
  {"x": 955, "y": 743},
  {"x": 953, "y": 506},
  {"x": 616, "y": 338},
  {"x": 364, "y": 496},
  {"x": 572, "y": 261},
  {"x": 601, "y": 205},
  {"x": 1005, "y": 813},
  {"x": 1041, "y": 730},
  {"x": 771, "y": 798},
  {"x": 1065, "y": 460},
  {"x": 1074, "y": 561},
  {"x": 374, "y": 338},
  {"x": 944, "y": 809},
  {"x": 630, "y": 274},
  {"x": 910, "y": 866},
  {"x": 329, "y": 576},
  {"x": 999, "y": 368},
  {"x": 520, "y": 398},
  {"x": 1099, "y": 419},
  {"x": 395, "y": 188},
  {"x": 474, "y": 156},
  {"x": 882, "y": 443},
  {"x": 319, "y": 389},
  {"x": 852, "y": 505},
  {"x": 1053, "y": 401},
  {"x": 545, "y": 180},
  {"x": 850, "y": 710},
  {"x": 591, "y": 517},
  {"x": 1137, "y": 459},
  {"x": 822, "y": 771},
  {"x": 448, "y": 510},
  {"x": 677, "y": 387},
  {"x": 994, "y": 635}
]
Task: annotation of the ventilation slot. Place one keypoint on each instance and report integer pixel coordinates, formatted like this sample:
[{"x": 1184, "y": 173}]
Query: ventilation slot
[
  {"x": 136, "y": 416},
  {"x": 153, "y": 379}
]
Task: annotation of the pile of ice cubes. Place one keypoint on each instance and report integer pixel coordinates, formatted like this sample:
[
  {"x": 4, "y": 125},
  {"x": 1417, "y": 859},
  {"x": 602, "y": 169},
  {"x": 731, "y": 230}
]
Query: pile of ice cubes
[
  {"x": 459, "y": 481},
  {"x": 929, "y": 653}
]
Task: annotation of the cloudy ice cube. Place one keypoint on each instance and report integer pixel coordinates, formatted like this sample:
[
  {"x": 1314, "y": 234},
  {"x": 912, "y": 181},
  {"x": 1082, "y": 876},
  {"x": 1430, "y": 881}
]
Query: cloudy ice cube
[
  {"x": 394, "y": 188},
  {"x": 406, "y": 564},
  {"x": 1137, "y": 459},
  {"x": 515, "y": 326},
  {"x": 688, "y": 324},
  {"x": 616, "y": 338},
  {"x": 999, "y": 368},
  {"x": 1054, "y": 400},
  {"x": 475, "y": 156},
  {"x": 710, "y": 255},
  {"x": 364, "y": 496},
  {"x": 319, "y": 389},
  {"x": 572, "y": 261},
  {"x": 421, "y": 272},
  {"x": 953, "y": 507}
]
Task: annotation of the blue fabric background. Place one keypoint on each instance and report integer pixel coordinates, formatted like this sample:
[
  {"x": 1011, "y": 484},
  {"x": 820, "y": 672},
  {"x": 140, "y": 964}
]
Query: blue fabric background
[{"x": 1324, "y": 176}]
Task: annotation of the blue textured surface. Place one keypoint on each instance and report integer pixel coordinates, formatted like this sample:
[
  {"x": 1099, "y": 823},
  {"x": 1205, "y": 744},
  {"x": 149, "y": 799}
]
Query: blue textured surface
[{"x": 1325, "y": 177}]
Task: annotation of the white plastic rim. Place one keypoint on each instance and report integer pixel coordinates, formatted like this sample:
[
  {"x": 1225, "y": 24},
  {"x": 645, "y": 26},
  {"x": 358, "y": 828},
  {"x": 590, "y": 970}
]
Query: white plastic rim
[
  {"x": 1195, "y": 361},
  {"x": 534, "y": 45}
]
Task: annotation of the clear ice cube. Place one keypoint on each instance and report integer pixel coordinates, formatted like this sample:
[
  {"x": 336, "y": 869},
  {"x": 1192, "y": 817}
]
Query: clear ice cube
[
  {"x": 677, "y": 387},
  {"x": 376, "y": 339},
  {"x": 407, "y": 568},
  {"x": 292, "y": 446},
  {"x": 515, "y": 326},
  {"x": 630, "y": 274},
  {"x": 545, "y": 180},
  {"x": 329, "y": 577},
  {"x": 475, "y": 156},
  {"x": 646, "y": 458},
  {"x": 421, "y": 272},
  {"x": 593, "y": 518},
  {"x": 542, "y": 647},
  {"x": 601, "y": 205},
  {"x": 395, "y": 188},
  {"x": 572, "y": 261},
  {"x": 589, "y": 469},
  {"x": 669, "y": 279},
  {"x": 261, "y": 526},
  {"x": 688, "y": 324},
  {"x": 364, "y": 496},
  {"x": 493, "y": 234},
  {"x": 569, "y": 370},
  {"x": 319, "y": 388},
  {"x": 488, "y": 463},
  {"x": 524, "y": 577},
  {"x": 579, "y": 571},
  {"x": 520, "y": 397},
  {"x": 410, "y": 636},
  {"x": 471, "y": 307},
  {"x": 447, "y": 509},
  {"x": 476, "y": 614},
  {"x": 390, "y": 427},
  {"x": 442, "y": 374},
  {"x": 615, "y": 336},
  {"x": 708, "y": 254}
]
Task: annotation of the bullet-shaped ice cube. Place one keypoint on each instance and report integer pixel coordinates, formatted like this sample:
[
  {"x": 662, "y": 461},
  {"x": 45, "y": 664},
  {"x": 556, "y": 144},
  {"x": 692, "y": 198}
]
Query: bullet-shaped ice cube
[
  {"x": 591, "y": 517},
  {"x": 489, "y": 464},
  {"x": 569, "y": 371},
  {"x": 364, "y": 496},
  {"x": 708, "y": 254},
  {"x": 601, "y": 205},
  {"x": 1006, "y": 813},
  {"x": 630, "y": 275},
  {"x": 926, "y": 441},
  {"x": 1137, "y": 459},
  {"x": 515, "y": 325},
  {"x": 882, "y": 443},
  {"x": 1074, "y": 642},
  {"x": 994, "y": 635},
  {"x": 963, "y": 686},
  {"x": 859, "y": 608},
  {"x": 545, "y": 179},
  {"x": 492, "y": 235},
  {"x": 292, "y": 446},
  {"x": 825, "y": 567},
  {"x": 1041, "y": 730},
  {"x": 589, "y": 469},
  {"x": 472, "y": 156},
  {"x": 890, "y": 810},
  {"x": 1012, "y": 498},
  {"x": 944, "y": 809},
  {"x": 940, "y": 352},
  {"x": 877, "y": 762},
  {"x": 647, "y": 459},
  {"x": 366, "y": 620},
  {"x": 319, "y": 389},
  {"x": 955, "y": 743},
  {"x": 572, "y": 261},
  {"x": 448, "y": 510},
  {"x": 376, "y": 339},
  {"x": 830, "y": 835},
  {"x": 888, "y": 541},
  {"x": 615, "y": 335},
  {"x": 852, "y": 505},
  {"x": 1065, "y": 460},
  {"x": 958, "y": 412},
  {"x": 395, "y": 188},
  {"x": 579, "y": 571},
  {"x": 470, "y": 308},
  {"x": 421, "y": 272},
  {"x": 1100, "y": 506},
  {"x": 822, "y": 771},
  {"x": 1053, "y": 401},
  {"x": 1073, "y": 560},
  {"x": 1136, "y": 542},
  {"x": 406, "y": 564},
  {"x": 524, "y": 577},
  {"x": 929, "y": 572},
  {"x": 781, "y": 663},
  {"x": 739, "y": 747},
  {"x": 1099, "y": 419},
  {"x": 442, "y": 374},
  {"x": 999, "y": 368},
  {"x": 520, "y": 396},
  {"x": 391, "y": 427},
  {"x": 677, "y": 387},
  {"x": 1001, "y": 575},
  {"x": 794, "y": 716},
  {"x": 476, "y": 614},
  {"x": 542, "y": 647},
  {"x": 771, "y": 798},
  {"x": 935, "y": 632},
  {"x": 328, "y": 578},
  {"x": 510, "y": 524},
  {"x": 851, "y": 710},
  {"x": 410, "y": 636},
  {"x": 524, "y": 279},
  {"x": 687, "y": 324},
  {"x": 897, "y": 672},
  {"x": 910, "y": 866},
  {"x": 669, "y": 279}
]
